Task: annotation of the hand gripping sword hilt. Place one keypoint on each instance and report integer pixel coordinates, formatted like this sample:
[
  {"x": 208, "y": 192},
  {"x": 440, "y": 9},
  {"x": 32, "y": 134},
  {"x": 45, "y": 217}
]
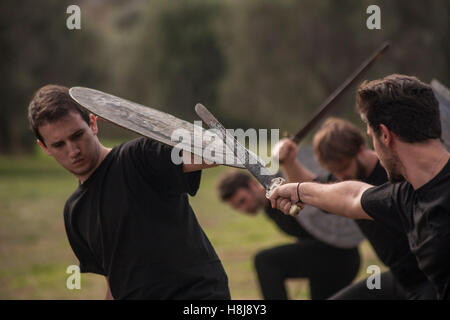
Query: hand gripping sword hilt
[{"x": 276, "y": 182}]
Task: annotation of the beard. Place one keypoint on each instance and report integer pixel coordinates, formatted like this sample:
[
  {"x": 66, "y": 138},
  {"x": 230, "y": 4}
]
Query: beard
[
  {"x": 394, "y": 177},
  {"x": 392, "y": 164}
]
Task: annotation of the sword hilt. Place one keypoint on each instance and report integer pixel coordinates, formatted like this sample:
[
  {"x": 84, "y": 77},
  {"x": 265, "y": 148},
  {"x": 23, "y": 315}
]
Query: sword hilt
[{"x": 276, "y": 182}]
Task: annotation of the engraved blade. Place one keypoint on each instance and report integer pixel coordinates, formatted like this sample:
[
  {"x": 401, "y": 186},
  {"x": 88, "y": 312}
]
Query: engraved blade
[{"x": 250, "y": 161}]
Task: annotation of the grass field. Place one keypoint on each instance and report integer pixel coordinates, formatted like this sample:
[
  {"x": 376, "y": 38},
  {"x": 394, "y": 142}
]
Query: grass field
[{"x": 35, "y": 253}]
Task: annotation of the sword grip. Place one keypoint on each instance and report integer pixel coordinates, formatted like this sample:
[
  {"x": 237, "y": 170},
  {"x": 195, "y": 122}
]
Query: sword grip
[{"x": 276, "y": 182}]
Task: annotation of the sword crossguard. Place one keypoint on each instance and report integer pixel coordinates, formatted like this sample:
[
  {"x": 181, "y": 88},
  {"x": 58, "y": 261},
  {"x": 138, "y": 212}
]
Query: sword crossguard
[{"x": 276, "y": 182}]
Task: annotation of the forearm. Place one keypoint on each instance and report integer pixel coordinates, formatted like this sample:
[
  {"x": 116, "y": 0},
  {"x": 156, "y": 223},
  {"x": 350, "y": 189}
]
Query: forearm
[
  {"x": 296, "y": 172},
  {"x": 342, "y": 198},
  {"x": 196, "y": 167}
]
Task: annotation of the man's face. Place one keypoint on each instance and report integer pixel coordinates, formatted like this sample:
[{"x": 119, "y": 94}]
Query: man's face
[
  {"x": 245, "y": 200},
  {"x": 388, "y": 157},
  {"x": 350, "y": 169},
  {"x": 72, "y": 142}
]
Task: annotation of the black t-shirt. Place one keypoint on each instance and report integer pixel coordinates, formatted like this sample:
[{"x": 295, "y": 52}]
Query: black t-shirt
[
  {"x": 288, "y": 224},
  {"x": 389, "y": 242},
  {"x": 131, "y": 221},
  {"x": 425, "y": 217}
]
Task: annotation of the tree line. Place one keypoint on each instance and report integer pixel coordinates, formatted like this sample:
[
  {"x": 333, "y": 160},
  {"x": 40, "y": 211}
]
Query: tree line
[{"x": 255, "y": 63}]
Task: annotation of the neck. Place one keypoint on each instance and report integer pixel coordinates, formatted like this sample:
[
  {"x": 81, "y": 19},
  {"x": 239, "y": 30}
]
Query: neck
[
  {"x": 369, "y": 159},
  {"x": 421, "y": 162},
  {"x": 103, "y": 152}
]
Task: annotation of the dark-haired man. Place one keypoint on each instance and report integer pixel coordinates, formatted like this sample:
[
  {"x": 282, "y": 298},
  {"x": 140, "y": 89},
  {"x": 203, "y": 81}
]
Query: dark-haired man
[
  {"x": 328, "y": 268},
  {"x": 129, "y": 219},
  {"x": 402, "y": 117},
  {"x": 340, "y": 148}
]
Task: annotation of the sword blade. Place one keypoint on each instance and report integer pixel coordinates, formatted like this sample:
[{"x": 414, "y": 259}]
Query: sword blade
[
  {"x": 250, "y": 161},
  {"x": 329, "y": 103}
]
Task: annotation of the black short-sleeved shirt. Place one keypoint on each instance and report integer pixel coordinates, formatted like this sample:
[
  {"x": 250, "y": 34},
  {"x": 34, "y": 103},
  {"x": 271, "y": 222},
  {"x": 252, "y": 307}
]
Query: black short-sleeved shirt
[
  {"x": 287, "y": 224},
  {"x": 425, "y": 217},
  {"x": 389, "y": 242},
  {"x": 131, "y": 221}
]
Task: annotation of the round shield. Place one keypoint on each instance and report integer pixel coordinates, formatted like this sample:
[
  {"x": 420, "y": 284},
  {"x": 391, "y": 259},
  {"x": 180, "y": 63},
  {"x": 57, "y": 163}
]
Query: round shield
[
  {"x": 156, "y": 124},
  {"x": 334, "y": 230}
]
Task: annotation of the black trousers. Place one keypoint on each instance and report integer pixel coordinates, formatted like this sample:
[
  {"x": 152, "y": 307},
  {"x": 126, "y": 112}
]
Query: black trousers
[
  {"x": 327, "y": 268},
  {"x": 390, "y": 289}
]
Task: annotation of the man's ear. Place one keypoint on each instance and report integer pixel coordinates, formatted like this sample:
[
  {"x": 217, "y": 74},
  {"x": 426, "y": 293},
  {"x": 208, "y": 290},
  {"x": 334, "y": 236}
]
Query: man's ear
[
  {"x": 43, "y": 147},
  {"x": 93, "y": 123},
  {"x": 385, "y": 135}
]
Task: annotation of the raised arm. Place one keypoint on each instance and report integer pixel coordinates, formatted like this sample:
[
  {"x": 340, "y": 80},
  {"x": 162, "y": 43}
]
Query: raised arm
[
  {"x": 343, "y": 198},
  {"x": 189, "y": 164},
  {"x": 286, "y": 152}
]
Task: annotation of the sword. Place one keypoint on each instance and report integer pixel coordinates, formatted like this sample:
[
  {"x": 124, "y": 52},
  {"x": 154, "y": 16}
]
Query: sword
[
  {"x": 249, "y": 160},
  {"x": 327, "y": 105}
]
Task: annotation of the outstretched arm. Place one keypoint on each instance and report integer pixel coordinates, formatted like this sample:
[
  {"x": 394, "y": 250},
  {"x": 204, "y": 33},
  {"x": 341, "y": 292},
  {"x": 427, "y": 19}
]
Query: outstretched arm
[{"x": 343, "y": 198}]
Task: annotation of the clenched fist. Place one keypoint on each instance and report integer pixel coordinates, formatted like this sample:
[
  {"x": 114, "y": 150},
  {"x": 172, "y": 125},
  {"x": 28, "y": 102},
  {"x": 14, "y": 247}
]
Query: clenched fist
[
  {"x": 283, "y": 197},
  {"x": 285, "y": 151}
]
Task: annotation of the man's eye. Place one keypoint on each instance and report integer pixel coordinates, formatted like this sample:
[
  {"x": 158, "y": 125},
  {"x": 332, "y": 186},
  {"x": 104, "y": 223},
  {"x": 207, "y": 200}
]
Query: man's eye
[
  {"x": 58, "y": 145},
  {"x": 78, "y": 135}
]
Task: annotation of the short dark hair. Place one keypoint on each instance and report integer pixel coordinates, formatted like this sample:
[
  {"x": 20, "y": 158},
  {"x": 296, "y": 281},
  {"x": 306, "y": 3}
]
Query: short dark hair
[
  {"x": 230, "y": 182},
  {"x": 404, "y": 104},
  {"x": 337, "y": 141},
  {"x": 50, "y": 103}
]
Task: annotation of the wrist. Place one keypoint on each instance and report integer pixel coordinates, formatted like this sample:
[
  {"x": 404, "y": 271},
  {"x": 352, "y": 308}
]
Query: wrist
[{"x": 299, "y": 199}]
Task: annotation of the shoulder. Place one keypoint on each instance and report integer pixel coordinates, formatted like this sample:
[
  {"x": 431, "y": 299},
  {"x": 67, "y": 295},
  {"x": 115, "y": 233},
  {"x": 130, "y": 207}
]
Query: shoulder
[
  {"x": 142, "y": 150},
  {"x": 388, "y": 197},
  {"x": 142, "y": 143},
  {"x": 387, "y": 191}
]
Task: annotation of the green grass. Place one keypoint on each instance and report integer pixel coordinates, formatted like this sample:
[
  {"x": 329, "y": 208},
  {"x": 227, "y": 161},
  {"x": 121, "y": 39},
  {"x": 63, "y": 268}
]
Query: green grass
[{"x": 35, "y": 253}]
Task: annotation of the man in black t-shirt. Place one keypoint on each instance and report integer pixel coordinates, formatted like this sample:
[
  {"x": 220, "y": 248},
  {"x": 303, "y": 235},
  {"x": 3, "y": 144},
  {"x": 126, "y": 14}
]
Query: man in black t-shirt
[
  {"x": 328, "y": 268},
  {"x": 339, "y": 147},
  {"x": 402, "y": 117},
  {"x": 129, "y": 219}
]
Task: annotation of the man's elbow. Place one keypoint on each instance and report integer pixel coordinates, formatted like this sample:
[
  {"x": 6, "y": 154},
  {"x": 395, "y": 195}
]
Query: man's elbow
[{"x": 356, "y": 211}]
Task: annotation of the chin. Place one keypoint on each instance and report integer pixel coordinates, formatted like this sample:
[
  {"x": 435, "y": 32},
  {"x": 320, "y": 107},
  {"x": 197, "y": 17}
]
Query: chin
[{"x": 81, "y": 171}]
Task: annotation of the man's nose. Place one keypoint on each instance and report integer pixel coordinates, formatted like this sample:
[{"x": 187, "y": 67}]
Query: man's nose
[{"x": 74, "y": 150}]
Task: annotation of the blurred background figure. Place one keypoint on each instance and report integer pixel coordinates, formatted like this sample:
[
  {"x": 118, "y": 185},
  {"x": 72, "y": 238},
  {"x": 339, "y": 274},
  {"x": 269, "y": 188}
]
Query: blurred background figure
[{"x": 327, "y": 268}]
